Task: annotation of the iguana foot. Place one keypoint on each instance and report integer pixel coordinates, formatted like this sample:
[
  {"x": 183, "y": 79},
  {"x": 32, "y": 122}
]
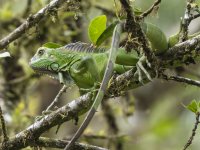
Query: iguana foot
[
  {"x": 140, "y": 69},
  {"x": 95, "y": 88},
  {"x": 44, "y": 113}
]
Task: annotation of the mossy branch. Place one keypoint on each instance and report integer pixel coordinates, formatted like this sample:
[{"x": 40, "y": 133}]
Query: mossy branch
[{"x": 31, "y": 21}]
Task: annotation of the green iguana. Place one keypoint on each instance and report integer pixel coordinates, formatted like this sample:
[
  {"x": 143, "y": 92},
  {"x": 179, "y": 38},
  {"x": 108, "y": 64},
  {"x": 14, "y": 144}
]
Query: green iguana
[{"x": 84, "y": 64}]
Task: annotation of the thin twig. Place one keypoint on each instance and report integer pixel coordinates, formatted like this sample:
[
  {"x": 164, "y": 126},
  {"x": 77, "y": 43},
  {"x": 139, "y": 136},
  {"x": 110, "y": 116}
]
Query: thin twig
[
  {"x": 102, "y": 137},
  {"x": 194, "y": 17},
  {"x": 28, "y": 8},
  {"x": 185, "y": 22},
  {"x": 182, "y": 79},
  {"x": 106, "y": 11},
  {"x": 63, "y": 89},
  {"x": 3, "y": 126},
  {"x": 113, "y": 128},
  {"x": 55, "y": 143},
  {"x": 148, "y": 11},
  {"x": 189, "y": 142}
]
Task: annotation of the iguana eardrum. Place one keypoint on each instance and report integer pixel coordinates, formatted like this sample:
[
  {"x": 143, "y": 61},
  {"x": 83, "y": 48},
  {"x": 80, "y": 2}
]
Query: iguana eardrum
[{"x": 84, "y": 64}]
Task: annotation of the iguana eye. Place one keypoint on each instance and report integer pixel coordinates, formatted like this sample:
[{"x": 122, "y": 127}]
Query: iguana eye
[{"x": 41, "y": 52}]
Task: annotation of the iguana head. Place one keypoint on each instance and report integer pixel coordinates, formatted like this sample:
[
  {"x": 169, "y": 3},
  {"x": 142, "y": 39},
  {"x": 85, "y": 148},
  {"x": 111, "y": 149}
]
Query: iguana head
[
  {"x": 52, "y": 61},
  {"x": 44, "y": 61}
]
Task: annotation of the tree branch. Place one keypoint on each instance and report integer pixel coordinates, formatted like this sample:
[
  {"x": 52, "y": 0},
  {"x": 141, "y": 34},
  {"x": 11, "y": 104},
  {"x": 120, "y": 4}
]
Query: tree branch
[
  {"x": 135, "y": 32},
  {"x": 183, "y": 53},
  {"x": 55, "y": 143},
  {"x": 61, "y": 115},
  {"x": 185, "y": 21},
  {"x": 182, "y": 79},
  {"x": 188, "y": 17},
  {"x": 53, "y": 103},
  {"x": 189, "y": 142},
  {"x": 3, "y": 127},
  {"x": 31, "y": 21},
  {"x": 148, "y": 11}
]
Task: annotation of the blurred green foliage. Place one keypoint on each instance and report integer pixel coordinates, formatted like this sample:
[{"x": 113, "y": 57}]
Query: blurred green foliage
[{"x": 159, "y": 120}]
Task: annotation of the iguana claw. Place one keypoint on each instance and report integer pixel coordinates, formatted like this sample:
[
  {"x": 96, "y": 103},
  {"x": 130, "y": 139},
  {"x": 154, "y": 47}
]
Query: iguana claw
[
  {"x": 93, "y": 89},
  {"x": 140, "y": 69}
]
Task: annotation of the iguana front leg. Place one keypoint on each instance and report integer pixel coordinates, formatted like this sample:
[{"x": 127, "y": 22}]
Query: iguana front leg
[{"x": 87, "y": 63}]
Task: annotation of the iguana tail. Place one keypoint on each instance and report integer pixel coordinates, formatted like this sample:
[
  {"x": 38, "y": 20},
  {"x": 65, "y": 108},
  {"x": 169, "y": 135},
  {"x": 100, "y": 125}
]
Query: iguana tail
[{"x": 102, "y": 90}]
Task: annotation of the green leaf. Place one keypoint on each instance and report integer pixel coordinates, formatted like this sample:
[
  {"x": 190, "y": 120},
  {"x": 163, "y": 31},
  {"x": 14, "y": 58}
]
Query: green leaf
[
  {"x": 193, "y": 106},
  {"x": 96, "y": 28},
  {"x": 52, "y": 45},
  {"x": 106, "y": 33}
]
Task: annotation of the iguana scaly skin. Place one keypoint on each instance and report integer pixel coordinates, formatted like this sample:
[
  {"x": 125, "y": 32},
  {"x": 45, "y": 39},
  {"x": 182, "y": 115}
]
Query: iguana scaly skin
[
  {"x": 85, "y": 65},
  {"x": 72, "y": 60}
]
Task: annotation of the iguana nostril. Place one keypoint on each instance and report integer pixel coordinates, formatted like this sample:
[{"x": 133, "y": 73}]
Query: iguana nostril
[{"x": 32, "y": 60}]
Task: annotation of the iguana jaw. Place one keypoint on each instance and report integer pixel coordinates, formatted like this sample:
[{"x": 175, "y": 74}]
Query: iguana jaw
[
  {"x": 66, "y": 79},
  {"x": 44, "y": 66},
  {"x": 52, "y": 74}
]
